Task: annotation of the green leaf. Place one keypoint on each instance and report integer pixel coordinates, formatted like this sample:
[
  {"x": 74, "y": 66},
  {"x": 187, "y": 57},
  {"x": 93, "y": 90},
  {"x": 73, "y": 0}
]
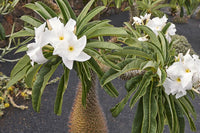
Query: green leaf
[
  {"x": 88, "y": 17},
  {"x": 92, "y": 26},
  {"x": 31, "y": 75},
  {"x": 103, "y": 45},
  {"x": 108, "y": 31},
  {"x": 24, "y": 61},
  {"x": 120, "y": 106},
  {"x": 151, "y": 34},
  {"x": 46, "y": 10},
  {"x": 2, "y": 32},
  {"x": 137, "y": 121},
  {"x": 118, "y": 3},
  {"x": 60, "y": 91},
  {"x": 84, "y": 11},
  {"x": 42, "y": 79},
  {"x": 142, "y": 88},
  {"x": 110, "y": 63},
  {"x": 150, "y": 110},
  {"x": 17, "y": 77},
  {"x": 86, "y": 81},
  {"x": 161, "y": 116},
  {"x": 181, "y": 119},
  {"x": 125, "y": 66},
  {"x": 162, "y": 75},
  {"x": 109, "y": 88},
  {"x": 22, "y": 33},
  {"x": 136, "y": 52},
  {"x": 66, "y": 10},
  {"x": 133, "y": 82},
  {"x": 31, "y": 20}
]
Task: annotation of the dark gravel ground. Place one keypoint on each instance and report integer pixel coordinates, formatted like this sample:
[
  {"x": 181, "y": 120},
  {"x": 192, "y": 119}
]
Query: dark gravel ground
[{"x": 28, "y": 121}]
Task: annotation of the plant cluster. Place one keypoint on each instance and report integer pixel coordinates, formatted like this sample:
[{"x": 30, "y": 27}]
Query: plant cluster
[
  {"x": 8, "y": 95},
  {"x": 144, "y": 48}
]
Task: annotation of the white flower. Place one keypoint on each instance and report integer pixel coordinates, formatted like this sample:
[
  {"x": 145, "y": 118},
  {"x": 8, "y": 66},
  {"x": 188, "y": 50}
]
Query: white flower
[
  {"x": 145, "y": 17},
  {"x": 58, "y": 32},
  {"x": 35, "y": 49},
  {"x": 170, "y": 32},
  {"x": 137, "y": 21},
  {"x": 71, "y": 49},
  {"x": 142, "y": 39},
  {"x": 174, "y": 86},
  {"x": 156, "y": 24}
]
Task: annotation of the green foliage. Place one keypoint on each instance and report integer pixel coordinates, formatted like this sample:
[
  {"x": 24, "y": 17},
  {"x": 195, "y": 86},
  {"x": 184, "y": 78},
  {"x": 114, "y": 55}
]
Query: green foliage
[
  {"x": 6, "y": 6},
  {"x": 151, "y": 6},
  {"x": 37, "y": 76},
  {"x": 189, "y": 5},
  {"x": 154, "y": 107},
  {"x": 182, "y": 45}
]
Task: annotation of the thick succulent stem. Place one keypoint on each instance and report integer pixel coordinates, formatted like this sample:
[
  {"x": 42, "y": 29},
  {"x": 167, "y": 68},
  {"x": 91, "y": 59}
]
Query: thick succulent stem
[
  {"x": 133, "y": 12},
  {"x": 89, "y": 119}
]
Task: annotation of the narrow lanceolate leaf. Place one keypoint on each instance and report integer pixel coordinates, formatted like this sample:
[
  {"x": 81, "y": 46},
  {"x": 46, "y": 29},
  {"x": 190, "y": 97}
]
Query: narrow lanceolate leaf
[
  {"x": 161, "y": 117},
  {"x": 133, "y": 82},
  {"x": 108, "y": 31},
  {"x": 92, "y": 26},
  {"x": 171, "y": 114},
  {"x": 164, "y": 45},
  {"x": 187, "y": 112},
  {"x": 142, "y": 88},
  {"x": 60, "y": 91},
  {"x": 18, "y": 76},
  {"x": 88, "y": 17},
  {"x": 20, "y": 65},
  {"x": 31, "y": 20},
  {"x": 45, "y": 9},
  {"x": 66, "y": 10},
  {"x": 109, "y": 88},
  {"x": 181, "y": 119},
  {"x": 42, "y": 79},
  {"x": 127, "y": 65},
  {"x": 85, "y": 80},
  {"x": 2, "y": 32},
  {"x": 85, "y": 11},
  {"x": 137, "y": 121},
  {"x": 151, "y": 34},
  {"x": 103, "y": 45},
  {"x": 162, "y": 75},
  {"x": 31, "y": 75},
  {"x": 120, "y": 106},
  {"x": 139, "y": 52},
  {"x": 150, "y": 110},
  {"x": 22, "y": 33}
]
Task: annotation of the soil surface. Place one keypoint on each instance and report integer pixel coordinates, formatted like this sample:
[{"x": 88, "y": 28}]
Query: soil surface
[{"x": 28, "y": 121}]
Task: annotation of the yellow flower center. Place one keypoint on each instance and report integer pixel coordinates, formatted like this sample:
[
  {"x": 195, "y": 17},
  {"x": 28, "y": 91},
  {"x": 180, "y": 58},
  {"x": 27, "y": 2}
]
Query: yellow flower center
[
  {"x": 71, "y": 48},
  {"x": 178, "y": 79},
  {"x": 61, "y": 38},
  {"x": 187, "y": 70}
]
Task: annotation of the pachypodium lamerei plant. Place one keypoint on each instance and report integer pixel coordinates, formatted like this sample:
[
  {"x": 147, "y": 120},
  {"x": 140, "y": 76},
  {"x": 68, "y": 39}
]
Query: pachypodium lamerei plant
[
  {"x": 63, "y": 38},
  {"x": 161, "y": 88},
  {"x": 77, "y": 43}
]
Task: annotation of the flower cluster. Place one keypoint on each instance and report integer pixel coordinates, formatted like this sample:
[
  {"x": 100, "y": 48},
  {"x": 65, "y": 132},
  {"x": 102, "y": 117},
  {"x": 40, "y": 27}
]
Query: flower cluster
[
  {"x": 182, "y": 75},
  {"x": 156, "y": 24},
  {"x": 62, "y": 38}
]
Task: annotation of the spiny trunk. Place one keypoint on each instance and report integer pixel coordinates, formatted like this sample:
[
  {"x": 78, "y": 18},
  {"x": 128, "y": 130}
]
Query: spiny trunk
[
  {"x": 89, "y": 119},
  {"x": 133, "y": 12}
]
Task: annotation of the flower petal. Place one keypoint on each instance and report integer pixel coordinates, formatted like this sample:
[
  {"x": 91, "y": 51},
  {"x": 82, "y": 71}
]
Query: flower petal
[
  {"x": 83, "y": 57},
  {"x": 68, "y": 63},
  {"x": 70, "y": 25},
  {"x": 35, "y": 54}
]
